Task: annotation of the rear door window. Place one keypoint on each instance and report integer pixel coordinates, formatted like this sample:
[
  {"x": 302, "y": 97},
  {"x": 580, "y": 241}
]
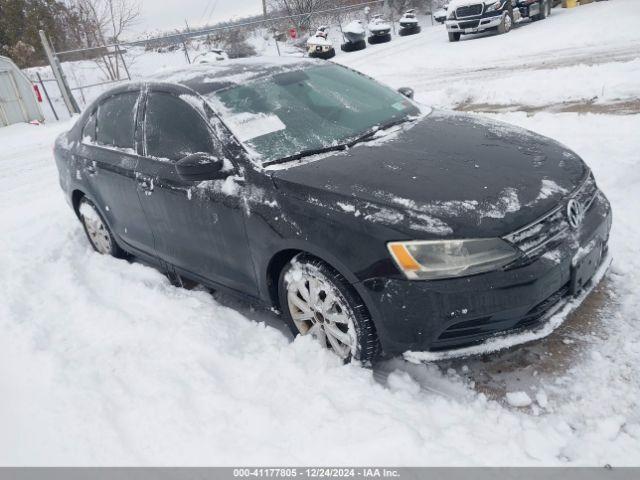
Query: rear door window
[
  {"x": 116, "y": 121},
  {"x": 173, "y": 129}
]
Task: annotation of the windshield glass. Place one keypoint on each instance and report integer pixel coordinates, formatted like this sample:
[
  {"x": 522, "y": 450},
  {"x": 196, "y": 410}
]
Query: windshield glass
[{"x": 308, "y": 109}]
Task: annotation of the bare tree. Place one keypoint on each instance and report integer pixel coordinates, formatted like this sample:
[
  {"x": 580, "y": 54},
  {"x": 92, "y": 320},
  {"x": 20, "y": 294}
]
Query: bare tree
[
  {"x": 302, "y": 9},
  {"x": 102, "y": 22}
]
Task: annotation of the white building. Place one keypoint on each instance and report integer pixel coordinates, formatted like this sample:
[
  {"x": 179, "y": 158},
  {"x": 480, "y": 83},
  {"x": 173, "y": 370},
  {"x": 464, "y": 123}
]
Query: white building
[{"x": 17, "y": 98}]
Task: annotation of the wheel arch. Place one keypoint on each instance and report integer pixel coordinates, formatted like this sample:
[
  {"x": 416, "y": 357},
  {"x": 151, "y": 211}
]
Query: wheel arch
[
  {"x": 76, "y": 196},
  {"x": 279, "y": 259}
]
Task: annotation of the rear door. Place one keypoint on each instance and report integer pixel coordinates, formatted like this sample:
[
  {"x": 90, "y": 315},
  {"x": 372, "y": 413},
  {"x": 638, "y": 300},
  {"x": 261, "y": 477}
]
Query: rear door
[
  {"x": 199, "y": 227},
  {"x": 108, "y": 153}
]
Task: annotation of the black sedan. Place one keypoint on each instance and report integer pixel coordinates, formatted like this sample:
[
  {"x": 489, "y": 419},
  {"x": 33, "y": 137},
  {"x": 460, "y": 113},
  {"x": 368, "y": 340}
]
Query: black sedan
[{"x": 366, "y": 219}]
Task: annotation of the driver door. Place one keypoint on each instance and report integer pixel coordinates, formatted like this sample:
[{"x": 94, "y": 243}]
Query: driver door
[{"x": 197, "y": 228}]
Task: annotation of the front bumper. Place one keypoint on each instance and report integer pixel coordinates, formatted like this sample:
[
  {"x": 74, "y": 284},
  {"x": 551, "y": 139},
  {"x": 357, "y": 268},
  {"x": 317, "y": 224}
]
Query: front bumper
[
  {"x": 459, "y": 313},
  {"x": 474, "y": 25}
]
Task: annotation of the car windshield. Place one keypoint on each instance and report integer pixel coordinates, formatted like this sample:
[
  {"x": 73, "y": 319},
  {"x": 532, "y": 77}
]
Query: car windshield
[{"x": 304, "y": 111}]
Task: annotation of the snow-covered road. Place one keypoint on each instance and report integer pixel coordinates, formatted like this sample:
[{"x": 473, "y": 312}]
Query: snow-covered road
[{"x": 104, "y": 362}]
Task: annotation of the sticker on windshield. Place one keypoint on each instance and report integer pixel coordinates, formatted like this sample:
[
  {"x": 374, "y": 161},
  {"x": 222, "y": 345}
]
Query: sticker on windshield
[
  {"x": 400, "y": 105},
  {"x": 247, "y": 125}
]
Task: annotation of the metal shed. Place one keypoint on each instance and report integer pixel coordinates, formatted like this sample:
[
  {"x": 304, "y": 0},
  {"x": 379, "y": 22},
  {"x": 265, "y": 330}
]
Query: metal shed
[{"x": 17, "y": 100}]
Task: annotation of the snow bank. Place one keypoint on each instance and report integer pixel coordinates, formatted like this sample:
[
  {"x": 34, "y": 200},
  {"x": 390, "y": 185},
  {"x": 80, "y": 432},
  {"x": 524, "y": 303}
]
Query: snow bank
[
  {"x": 135, "y": 371},
  {"x": 596, "y": 84},
  {"x": 104, "y": 362}
]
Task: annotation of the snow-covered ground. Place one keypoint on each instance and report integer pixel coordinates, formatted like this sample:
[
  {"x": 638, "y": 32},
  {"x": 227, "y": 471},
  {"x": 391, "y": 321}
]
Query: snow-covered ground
[{"x": 104, "y": 362}]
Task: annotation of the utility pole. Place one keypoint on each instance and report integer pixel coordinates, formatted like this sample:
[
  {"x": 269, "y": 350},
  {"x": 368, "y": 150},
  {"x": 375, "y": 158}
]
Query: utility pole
[
  {"x": 264, "y": 8},
  {"x": 67, "y": 96}
]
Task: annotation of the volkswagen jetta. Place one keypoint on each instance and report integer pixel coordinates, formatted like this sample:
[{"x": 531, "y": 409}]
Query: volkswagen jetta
[{"x": 368, "y": 220}]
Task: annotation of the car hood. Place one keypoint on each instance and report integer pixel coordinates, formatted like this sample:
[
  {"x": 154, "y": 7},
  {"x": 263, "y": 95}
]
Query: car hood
[{"x": 445, "y": 175}]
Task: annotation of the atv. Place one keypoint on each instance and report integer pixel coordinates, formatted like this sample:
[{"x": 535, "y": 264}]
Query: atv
[
  {"x": 379, "y": 30},
  {"x": 409, "y": 23},
  {"x": 319, "y": 46},
  {"x": 354, "y": 34}
]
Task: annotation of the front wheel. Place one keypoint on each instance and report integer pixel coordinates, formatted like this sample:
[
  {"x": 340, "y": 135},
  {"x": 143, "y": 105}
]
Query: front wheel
[
  {"x": 317, "y": 300},
  {"x": 505, "y": 24},
  {"x": 97, "y": 230},
  {"x": 375, "y": 39},
  {"x": 545, "y": 9},
  {"x": 354, "y": 46},
  {"x": 454, "y": 36}
]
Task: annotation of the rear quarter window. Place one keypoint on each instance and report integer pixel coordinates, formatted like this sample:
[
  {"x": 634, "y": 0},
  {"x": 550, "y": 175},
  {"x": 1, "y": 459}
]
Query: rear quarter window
[
  {"x": 89, "y": 129},
  {"x": 115, "y": 126}
]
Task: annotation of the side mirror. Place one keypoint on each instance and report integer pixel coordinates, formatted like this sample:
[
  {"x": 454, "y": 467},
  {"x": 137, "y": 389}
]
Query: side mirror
[
  {"x": 199, "y": 167},
  {"x": 406, "y": 91}
]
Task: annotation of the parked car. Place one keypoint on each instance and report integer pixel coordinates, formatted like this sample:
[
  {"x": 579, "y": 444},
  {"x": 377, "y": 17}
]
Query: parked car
[
  {"x": 369, "y": 221},
  {"x": 319, "y": 45},
  {"x": 409, "y": 23},
  {"x": 440, "y": 15},
  {"x": 474, "y": 16},
  {"x": 212, "y": 56},
  {"x": 354, "y": 34},
  {"x": 379, "y": 30}
]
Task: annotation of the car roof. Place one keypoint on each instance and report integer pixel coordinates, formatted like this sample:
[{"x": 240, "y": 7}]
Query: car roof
[{"x": 207, "y": 78}]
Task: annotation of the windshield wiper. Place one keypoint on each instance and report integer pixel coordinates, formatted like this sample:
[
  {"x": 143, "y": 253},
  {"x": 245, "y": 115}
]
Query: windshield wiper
[
  {"x": 341, "y": 146},
  {"x": 307, "y": 153},
  {"x": 371, "y": 133}
]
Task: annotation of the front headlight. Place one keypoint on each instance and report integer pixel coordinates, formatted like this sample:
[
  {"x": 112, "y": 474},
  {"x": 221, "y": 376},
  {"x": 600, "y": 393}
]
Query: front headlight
[
  {"x": 492, "y": 7},
  {"x": 434, "y": 259}
]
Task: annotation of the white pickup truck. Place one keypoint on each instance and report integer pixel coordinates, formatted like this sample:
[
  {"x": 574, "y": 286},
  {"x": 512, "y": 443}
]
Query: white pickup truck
[{"x": 473, "y": 16}]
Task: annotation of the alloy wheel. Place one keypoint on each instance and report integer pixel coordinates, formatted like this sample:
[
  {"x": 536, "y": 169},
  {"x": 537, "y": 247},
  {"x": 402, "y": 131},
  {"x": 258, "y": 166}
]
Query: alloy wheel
[
  {"x": 96, "y": 230},
  {"x": 317, "y": 309},
  {"x": 507, "y": 23}
]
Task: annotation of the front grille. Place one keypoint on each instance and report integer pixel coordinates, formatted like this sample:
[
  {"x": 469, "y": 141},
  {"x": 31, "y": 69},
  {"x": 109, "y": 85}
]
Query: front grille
[
  {"x": 540, "y": 236},
  {"x": 533, "y": 317},
  {"x": 469, "y": 24},
  {"x": 470, "y": 332},
  {"x": 469, "y": 10}
]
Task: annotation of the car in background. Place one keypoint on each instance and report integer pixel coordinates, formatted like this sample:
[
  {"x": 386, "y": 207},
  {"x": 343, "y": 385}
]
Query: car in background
[
  {"x": 213, "y": 55},
  {"x": 440, "y": 15},
  {"x": 409, "y": 23},
  {"x": 371, "y": 222},
  {"x": 379, "y": 30},
  {"x": 319, "y": 45},
  {"x": 474, "y": 16}
]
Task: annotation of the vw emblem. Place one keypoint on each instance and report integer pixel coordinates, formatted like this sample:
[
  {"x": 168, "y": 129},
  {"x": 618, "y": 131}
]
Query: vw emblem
[{"x": 575, "y": 213}]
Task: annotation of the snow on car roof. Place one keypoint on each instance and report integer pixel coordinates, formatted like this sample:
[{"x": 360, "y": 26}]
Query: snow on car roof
[{"x": 207, "y": 78}]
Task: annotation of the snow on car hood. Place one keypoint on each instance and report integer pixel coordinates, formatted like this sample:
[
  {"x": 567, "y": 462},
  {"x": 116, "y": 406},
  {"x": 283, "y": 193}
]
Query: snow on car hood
[
  {"x": 449, "y": 175},
  {"x": 453, "y": 4}
]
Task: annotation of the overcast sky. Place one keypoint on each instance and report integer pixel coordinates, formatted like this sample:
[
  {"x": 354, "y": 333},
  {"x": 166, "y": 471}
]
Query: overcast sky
[{"x": 168, "y": 14}]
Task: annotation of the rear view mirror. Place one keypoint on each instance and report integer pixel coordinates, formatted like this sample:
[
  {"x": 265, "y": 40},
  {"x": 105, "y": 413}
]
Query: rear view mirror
[
  {"x": 406, "y": 91},
  {"x": 198, "y": 167}
]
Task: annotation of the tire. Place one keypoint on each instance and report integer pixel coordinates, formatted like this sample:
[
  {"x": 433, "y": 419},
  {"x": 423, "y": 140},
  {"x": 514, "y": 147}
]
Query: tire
[
  {"x": 97, "y": 230},
  {"x": 323, "y": 55},
  {"x": 353, "y": 46},
  {"x": 505, "y": 24},
  {"x": 336, "y": 308},
  {"x": 454, "y": 36},
  {"x": 375, "y": 39},
  {"x": 404, "y": 32}
]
